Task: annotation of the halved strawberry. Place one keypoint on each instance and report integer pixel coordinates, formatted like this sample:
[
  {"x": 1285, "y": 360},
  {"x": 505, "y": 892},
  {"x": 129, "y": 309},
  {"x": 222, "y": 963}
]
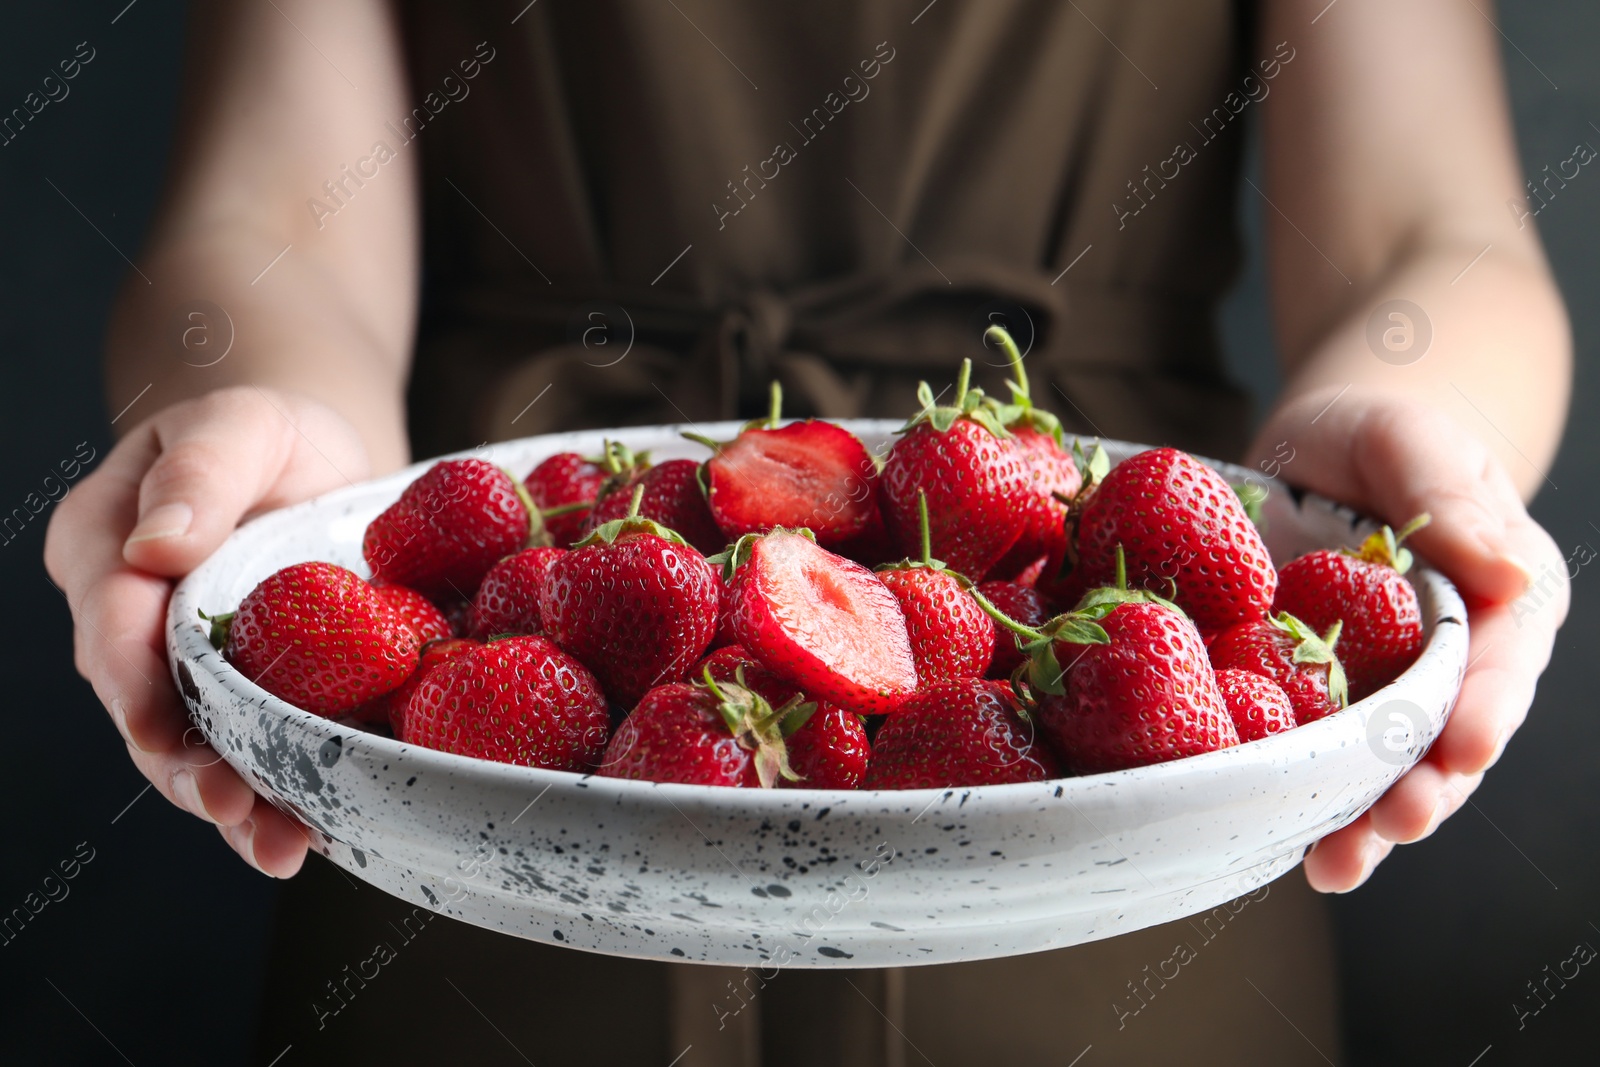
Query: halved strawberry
[
  {"x": 809, "y": 474},
  {"x": 824, "y": 622}
]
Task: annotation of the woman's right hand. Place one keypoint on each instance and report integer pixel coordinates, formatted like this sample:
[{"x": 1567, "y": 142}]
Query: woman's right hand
[{"x": 162, "y": 501}]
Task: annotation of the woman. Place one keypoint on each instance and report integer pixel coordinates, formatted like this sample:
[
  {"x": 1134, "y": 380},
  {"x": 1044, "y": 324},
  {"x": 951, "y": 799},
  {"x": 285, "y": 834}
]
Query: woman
[{"x": 840, "y": 198}]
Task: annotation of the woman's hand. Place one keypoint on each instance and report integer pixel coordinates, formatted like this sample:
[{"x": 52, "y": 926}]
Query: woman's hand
[
  {"x": 161, "y": 502},
  {"x": 1394, "y": 458}
]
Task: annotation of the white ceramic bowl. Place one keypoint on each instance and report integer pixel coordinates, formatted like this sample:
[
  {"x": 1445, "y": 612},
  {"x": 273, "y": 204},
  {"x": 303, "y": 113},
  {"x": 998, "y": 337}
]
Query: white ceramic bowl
[{"x": 807, "y": 878}]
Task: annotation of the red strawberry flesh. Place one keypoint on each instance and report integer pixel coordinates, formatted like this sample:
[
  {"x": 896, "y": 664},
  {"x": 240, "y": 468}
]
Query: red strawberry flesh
[{"x": 825, "y": 622}]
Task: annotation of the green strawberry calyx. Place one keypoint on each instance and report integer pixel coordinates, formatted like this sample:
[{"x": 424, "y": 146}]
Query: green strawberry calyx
[
  {"x": 1386, "y": 547},
  {"x": 759, "y": 727},
  {"x": 1092, "y": 470},
  {"x": 968, "y": 404},
  {"x": 1038, "y": 645},
  {"x": 609, "y": 533},
  {"x": 1020, "y": 412},
  {"x": 1310, "y": 647},
  {"x": 221, "y": 624}
]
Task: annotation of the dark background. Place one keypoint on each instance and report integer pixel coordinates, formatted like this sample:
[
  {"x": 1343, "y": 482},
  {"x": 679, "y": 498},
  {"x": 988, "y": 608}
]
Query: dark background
[{"x": 157, "y": 949}]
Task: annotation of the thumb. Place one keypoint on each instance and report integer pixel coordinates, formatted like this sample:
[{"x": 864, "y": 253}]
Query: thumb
[
  {"x": 224, "y": 456},
  {"x": 1395, "y": 459}
]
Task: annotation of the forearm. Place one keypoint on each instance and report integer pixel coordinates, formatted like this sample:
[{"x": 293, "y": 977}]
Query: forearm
[
  {"x": 1499, "y": 360},
  {"x": 293, "y": 328}
]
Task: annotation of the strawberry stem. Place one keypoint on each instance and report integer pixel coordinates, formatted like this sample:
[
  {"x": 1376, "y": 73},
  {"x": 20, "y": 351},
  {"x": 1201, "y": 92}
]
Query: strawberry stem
[
  {"x": 963, "y": 382},
  {"x": 922, "y": 528},
  {"x": 1002, "y": 337},
  {"x": 1003, "y": 619},
  {"x": 775, "y": 408},
  {"x": 702, "y": 439},
  {"x": 538, "y": 536},
  {"x": 566, "y": 509},
  {"x": 638, "y": 499}
]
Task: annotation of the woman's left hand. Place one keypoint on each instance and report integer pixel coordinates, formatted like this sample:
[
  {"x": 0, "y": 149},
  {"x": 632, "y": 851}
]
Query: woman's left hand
[{"x": 1394, "y": 458}]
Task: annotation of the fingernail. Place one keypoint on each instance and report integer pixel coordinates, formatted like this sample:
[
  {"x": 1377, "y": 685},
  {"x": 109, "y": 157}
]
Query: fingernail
[
  {"x": 243, "y": 837},
  {"x": 1521, "y": 567},
  {"x": 1371, "y": 853},
  {"x": 119, "y": 717},
  {"x": 1441, "y": 808},
  {"x": 186, "y": 791},
  {"x": 168, "y": 520}
]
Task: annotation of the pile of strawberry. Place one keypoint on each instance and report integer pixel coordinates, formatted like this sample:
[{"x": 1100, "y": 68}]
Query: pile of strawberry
[{"x": 982, "y": 606}]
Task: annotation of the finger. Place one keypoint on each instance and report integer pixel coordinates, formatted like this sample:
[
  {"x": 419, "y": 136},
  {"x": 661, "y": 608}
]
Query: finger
[
  {"x": 218, "y": 455},
  {"x": 1345, "y": 859},
  {"x": 1396, "y": 460},
  {"x": 1508, "y": 650},
  {"x": 1419, "y": 802},
  {"x": 195, "y": 779},
  {"x": 224, "y": 456},
  {"x": 268, "y": 840}
]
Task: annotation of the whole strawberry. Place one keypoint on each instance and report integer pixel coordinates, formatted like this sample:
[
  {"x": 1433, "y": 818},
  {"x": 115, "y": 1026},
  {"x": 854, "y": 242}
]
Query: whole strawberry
[
  {"x": 715, "y": 733},
  {"x": 448, "y": 528},
  {"x": 1053, "y": 475},
  {"x": 634, "y": 602},
  {"x": 517, "y": 700},
  {"x": 393, "y": 705},
  {"x": 1289, "y": 652},
  {"x": 566, "y": 483},
  {"x": 318, "y": 636},
  {"x": 951, "y": 637},
  {"x": 1136, "y": 689},
  {"x": 428, "y": 621},
  {"x": 828, "y": 625},
  {"x": 1018, "y": 602},
  {"x": 1366, "y": 589},
  {"x": 827, "y": 750},
  {"x": 1178, "y": 521},
  {"x": 507, "y": 601},
  {"x": 973, "y": 475},
  {"x": 672, "y": 497},
  {"x": 810, "y": 474},
  {"x": 1258, "y": 706},
  {"x": 970, "y": 732}
]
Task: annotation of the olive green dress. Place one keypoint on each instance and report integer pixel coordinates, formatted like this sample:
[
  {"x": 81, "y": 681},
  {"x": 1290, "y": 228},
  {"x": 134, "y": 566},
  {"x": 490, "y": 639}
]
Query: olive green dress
[{"x": 641, "y": 211}]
